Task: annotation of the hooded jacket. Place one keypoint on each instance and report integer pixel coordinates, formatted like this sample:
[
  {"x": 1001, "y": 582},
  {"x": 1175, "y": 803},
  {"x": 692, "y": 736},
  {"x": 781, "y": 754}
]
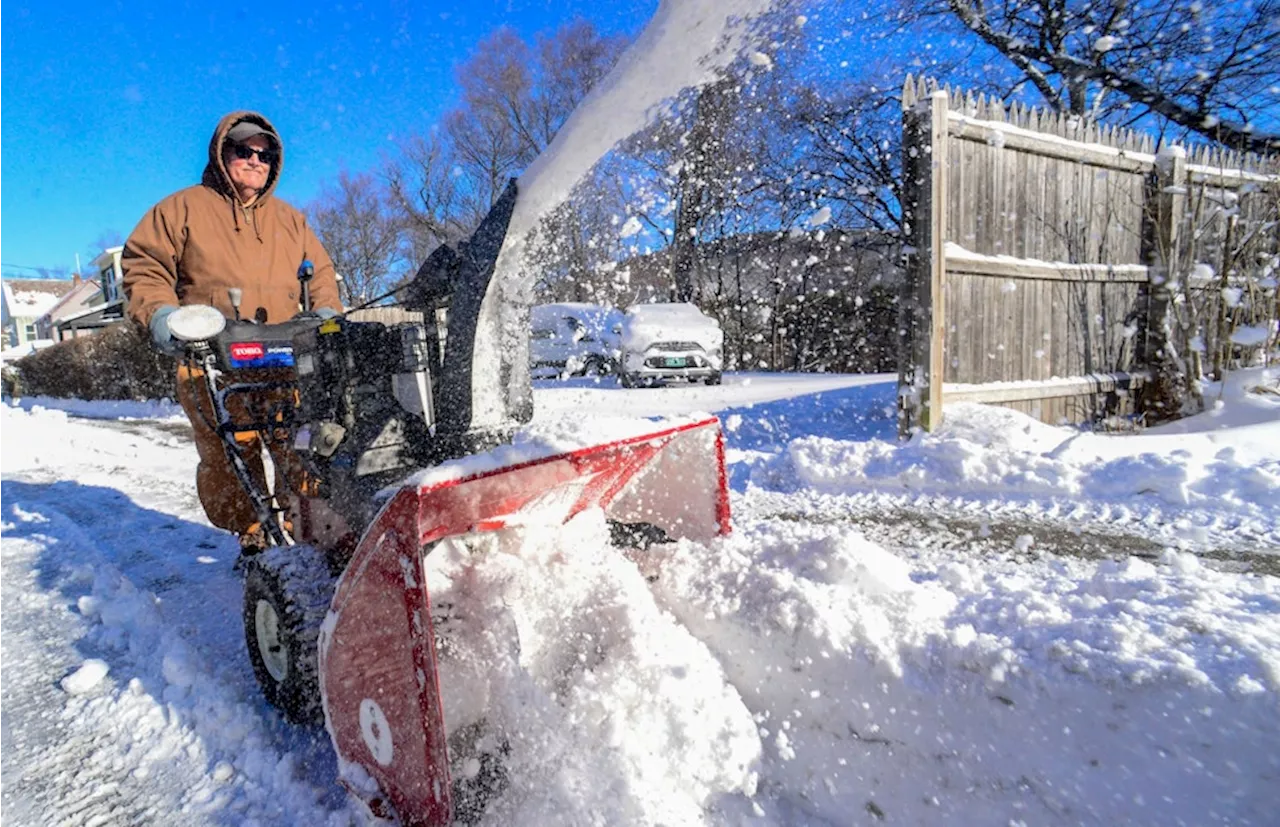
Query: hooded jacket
[{"x": 199, "y": 242}]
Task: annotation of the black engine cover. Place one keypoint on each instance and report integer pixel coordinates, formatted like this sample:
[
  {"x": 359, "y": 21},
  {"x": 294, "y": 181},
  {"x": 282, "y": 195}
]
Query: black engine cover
[{"x": 353, "y": 430}]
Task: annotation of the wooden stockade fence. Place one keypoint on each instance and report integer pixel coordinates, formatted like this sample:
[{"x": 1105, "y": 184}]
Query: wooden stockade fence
[{"x": 1040, "y": 254}]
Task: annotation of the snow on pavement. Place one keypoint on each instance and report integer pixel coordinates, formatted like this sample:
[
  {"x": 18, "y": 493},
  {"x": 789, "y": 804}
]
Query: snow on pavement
[
  {"x": 799, "y": 671},
  {"x": 108, "y": 560}
]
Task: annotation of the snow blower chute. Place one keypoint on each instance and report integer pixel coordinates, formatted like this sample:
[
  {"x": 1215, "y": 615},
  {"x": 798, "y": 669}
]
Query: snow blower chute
[{"x": 396, "y": 438}]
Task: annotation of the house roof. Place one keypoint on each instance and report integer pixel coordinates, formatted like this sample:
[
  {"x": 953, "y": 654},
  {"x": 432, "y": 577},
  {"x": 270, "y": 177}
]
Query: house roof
[
  {"x": 98, "y": 315},
  {"x": 73, "y": 301},
  {"x": 35, "y": 297},
  {"x": 106, "y": 257}
]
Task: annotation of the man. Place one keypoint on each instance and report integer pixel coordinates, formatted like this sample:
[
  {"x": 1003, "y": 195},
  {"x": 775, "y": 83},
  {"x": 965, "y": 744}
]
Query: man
[{"x": 192, "y": 248}]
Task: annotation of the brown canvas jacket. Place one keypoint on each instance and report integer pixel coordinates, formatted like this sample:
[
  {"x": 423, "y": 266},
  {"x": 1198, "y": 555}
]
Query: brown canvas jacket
[{"x": 200, "y": 241}]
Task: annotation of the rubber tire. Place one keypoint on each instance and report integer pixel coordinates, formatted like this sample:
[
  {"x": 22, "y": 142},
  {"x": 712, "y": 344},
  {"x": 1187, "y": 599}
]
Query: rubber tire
[
  {"x": 627, "y": 380},
  {"x": 297, "y": 585},
  {"x": 714, "y": 379}
]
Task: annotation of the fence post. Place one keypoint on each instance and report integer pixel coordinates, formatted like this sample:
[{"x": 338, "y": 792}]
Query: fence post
[
  {"x": 1162, "y": 397},
  {"x": 923, "y": 327}
]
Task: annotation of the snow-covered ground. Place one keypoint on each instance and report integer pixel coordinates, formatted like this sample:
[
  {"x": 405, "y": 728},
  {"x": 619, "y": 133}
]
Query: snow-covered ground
[{"x": 1000, "y": 623}]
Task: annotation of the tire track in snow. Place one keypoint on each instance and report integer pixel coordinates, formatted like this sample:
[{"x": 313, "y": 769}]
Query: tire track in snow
[
  {"x": 1078, "y": 529},
  {"x": 177, "y": 732}
]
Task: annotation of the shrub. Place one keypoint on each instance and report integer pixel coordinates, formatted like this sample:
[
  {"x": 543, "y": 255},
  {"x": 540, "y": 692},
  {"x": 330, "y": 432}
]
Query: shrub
[{"x": 117, "y": 363}]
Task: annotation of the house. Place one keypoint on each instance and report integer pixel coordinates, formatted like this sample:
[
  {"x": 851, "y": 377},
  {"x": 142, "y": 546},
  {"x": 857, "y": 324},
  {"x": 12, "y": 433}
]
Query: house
[
  {"x": 104, "y": 305},
  {"x": 84, "y": 295},
  {"x": 22, "y": 304}
]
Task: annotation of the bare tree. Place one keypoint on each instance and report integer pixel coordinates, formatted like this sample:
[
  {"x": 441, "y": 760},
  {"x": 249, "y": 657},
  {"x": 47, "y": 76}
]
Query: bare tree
[
  {"x": 107, "y": 240},
  {"x": 515, "y": 98},
  {"x": 854, "y": 153},
  {"x": 1201, "y": 65},
  {"x": 359, "y": 233},
  {"x": 423, "y": 192},
  {"x": 702, "y": 148}
]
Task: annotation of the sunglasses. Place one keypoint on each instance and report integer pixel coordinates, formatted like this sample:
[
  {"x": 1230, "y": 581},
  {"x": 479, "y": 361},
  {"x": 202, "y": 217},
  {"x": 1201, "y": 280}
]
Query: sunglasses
[{"x": 244, "y": 152}]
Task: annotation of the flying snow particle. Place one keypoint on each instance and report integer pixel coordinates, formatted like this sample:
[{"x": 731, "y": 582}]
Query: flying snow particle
[
  {"x": 1202, "y": 272},
  {"x": 819, "y": 218},
  {"x": 1251, "y": 335},
  {"x": 84, "y": 679},
  {"x": 630, "y": 228},
  {"x": 761, "y": 59},
  {"x": 1105, "y": 43}
]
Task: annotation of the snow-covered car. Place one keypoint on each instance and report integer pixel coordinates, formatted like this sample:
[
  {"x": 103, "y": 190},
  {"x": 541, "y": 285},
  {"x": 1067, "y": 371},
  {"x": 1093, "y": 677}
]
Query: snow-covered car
[
  {"x": 670, "y": 341},
  {"x": 573, "y": 339}
]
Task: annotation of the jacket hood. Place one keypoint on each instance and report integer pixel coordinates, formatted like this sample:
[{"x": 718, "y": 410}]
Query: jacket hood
[{"x": 215, "y": 173}]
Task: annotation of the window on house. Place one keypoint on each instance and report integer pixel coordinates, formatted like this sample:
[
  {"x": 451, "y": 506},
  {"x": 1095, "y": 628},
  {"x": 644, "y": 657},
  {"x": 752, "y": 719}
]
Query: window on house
[
  {"x": 31, "y": 332},
  {"x": 107, "y": 278}
]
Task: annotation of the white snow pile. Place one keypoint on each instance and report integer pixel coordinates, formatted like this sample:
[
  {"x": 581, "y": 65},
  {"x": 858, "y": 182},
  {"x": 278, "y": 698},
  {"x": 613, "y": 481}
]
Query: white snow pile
[
  {"x": 970, "y": 691},
  {"x": 119, "y": 409},
  {"x": 613, "y": 712},
  {"x": 1220, "y": 463}
]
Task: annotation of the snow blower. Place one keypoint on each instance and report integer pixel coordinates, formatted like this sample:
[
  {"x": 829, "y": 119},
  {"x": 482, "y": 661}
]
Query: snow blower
[{"x": 407, "y": 439}]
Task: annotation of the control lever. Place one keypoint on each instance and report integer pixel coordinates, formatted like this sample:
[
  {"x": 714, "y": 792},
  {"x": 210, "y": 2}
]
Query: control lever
[
  {"x": 236, "y": 295},
  {"x": 306, "y": 272}
]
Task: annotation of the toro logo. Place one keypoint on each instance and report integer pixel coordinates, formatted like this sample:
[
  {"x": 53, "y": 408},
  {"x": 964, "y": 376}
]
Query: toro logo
[{"x": 245, "y": 351}]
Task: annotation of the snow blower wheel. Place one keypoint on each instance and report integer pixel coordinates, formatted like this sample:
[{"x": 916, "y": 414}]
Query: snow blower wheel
[{"x": 287, "y": 590}]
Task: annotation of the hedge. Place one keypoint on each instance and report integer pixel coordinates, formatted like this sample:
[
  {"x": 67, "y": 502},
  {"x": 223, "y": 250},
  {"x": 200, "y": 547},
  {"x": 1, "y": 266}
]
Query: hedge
[{"x": 117, "y": 363}]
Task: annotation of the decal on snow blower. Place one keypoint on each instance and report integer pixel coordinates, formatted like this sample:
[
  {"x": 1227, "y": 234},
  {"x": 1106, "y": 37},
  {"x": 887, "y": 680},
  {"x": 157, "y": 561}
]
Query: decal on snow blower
[{"x": 259, "y": 355}]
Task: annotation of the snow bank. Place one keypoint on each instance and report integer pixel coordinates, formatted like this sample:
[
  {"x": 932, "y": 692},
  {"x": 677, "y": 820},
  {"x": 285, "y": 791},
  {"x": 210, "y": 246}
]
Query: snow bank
[
  {"x": 51, "y": 441},
  {"x": 962, "y": 691},
  {"x": 164, "y": 410},
  {"x": 1210, "y": 463},
  {"x": 612, "y": 712}
]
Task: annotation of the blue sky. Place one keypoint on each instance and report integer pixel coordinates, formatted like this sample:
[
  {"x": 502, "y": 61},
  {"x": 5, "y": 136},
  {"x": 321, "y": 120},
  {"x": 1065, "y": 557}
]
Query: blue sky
[{"x": 108, "y": 107}]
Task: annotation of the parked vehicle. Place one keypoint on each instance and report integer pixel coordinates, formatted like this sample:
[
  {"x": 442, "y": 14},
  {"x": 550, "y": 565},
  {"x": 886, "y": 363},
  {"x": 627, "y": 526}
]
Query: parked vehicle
[
  {"x": 573, "y": 339},
  {"x": 670, "y": 341}
]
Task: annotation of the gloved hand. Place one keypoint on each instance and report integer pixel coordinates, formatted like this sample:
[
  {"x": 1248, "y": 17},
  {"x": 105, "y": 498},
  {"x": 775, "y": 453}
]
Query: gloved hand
[{"x": 160, "y": 335}]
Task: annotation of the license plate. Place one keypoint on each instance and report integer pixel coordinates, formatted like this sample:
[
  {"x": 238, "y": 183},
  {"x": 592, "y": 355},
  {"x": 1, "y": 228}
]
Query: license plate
[{"x": 674, "y": 362}]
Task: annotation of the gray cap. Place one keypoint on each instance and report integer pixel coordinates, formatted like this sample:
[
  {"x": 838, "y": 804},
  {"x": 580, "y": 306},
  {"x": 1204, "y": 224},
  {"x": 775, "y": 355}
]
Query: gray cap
[{"x": 245, "y": 130}]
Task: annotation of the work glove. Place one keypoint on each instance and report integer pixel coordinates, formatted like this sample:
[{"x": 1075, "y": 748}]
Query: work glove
[{"x": 161, "y": 337}]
